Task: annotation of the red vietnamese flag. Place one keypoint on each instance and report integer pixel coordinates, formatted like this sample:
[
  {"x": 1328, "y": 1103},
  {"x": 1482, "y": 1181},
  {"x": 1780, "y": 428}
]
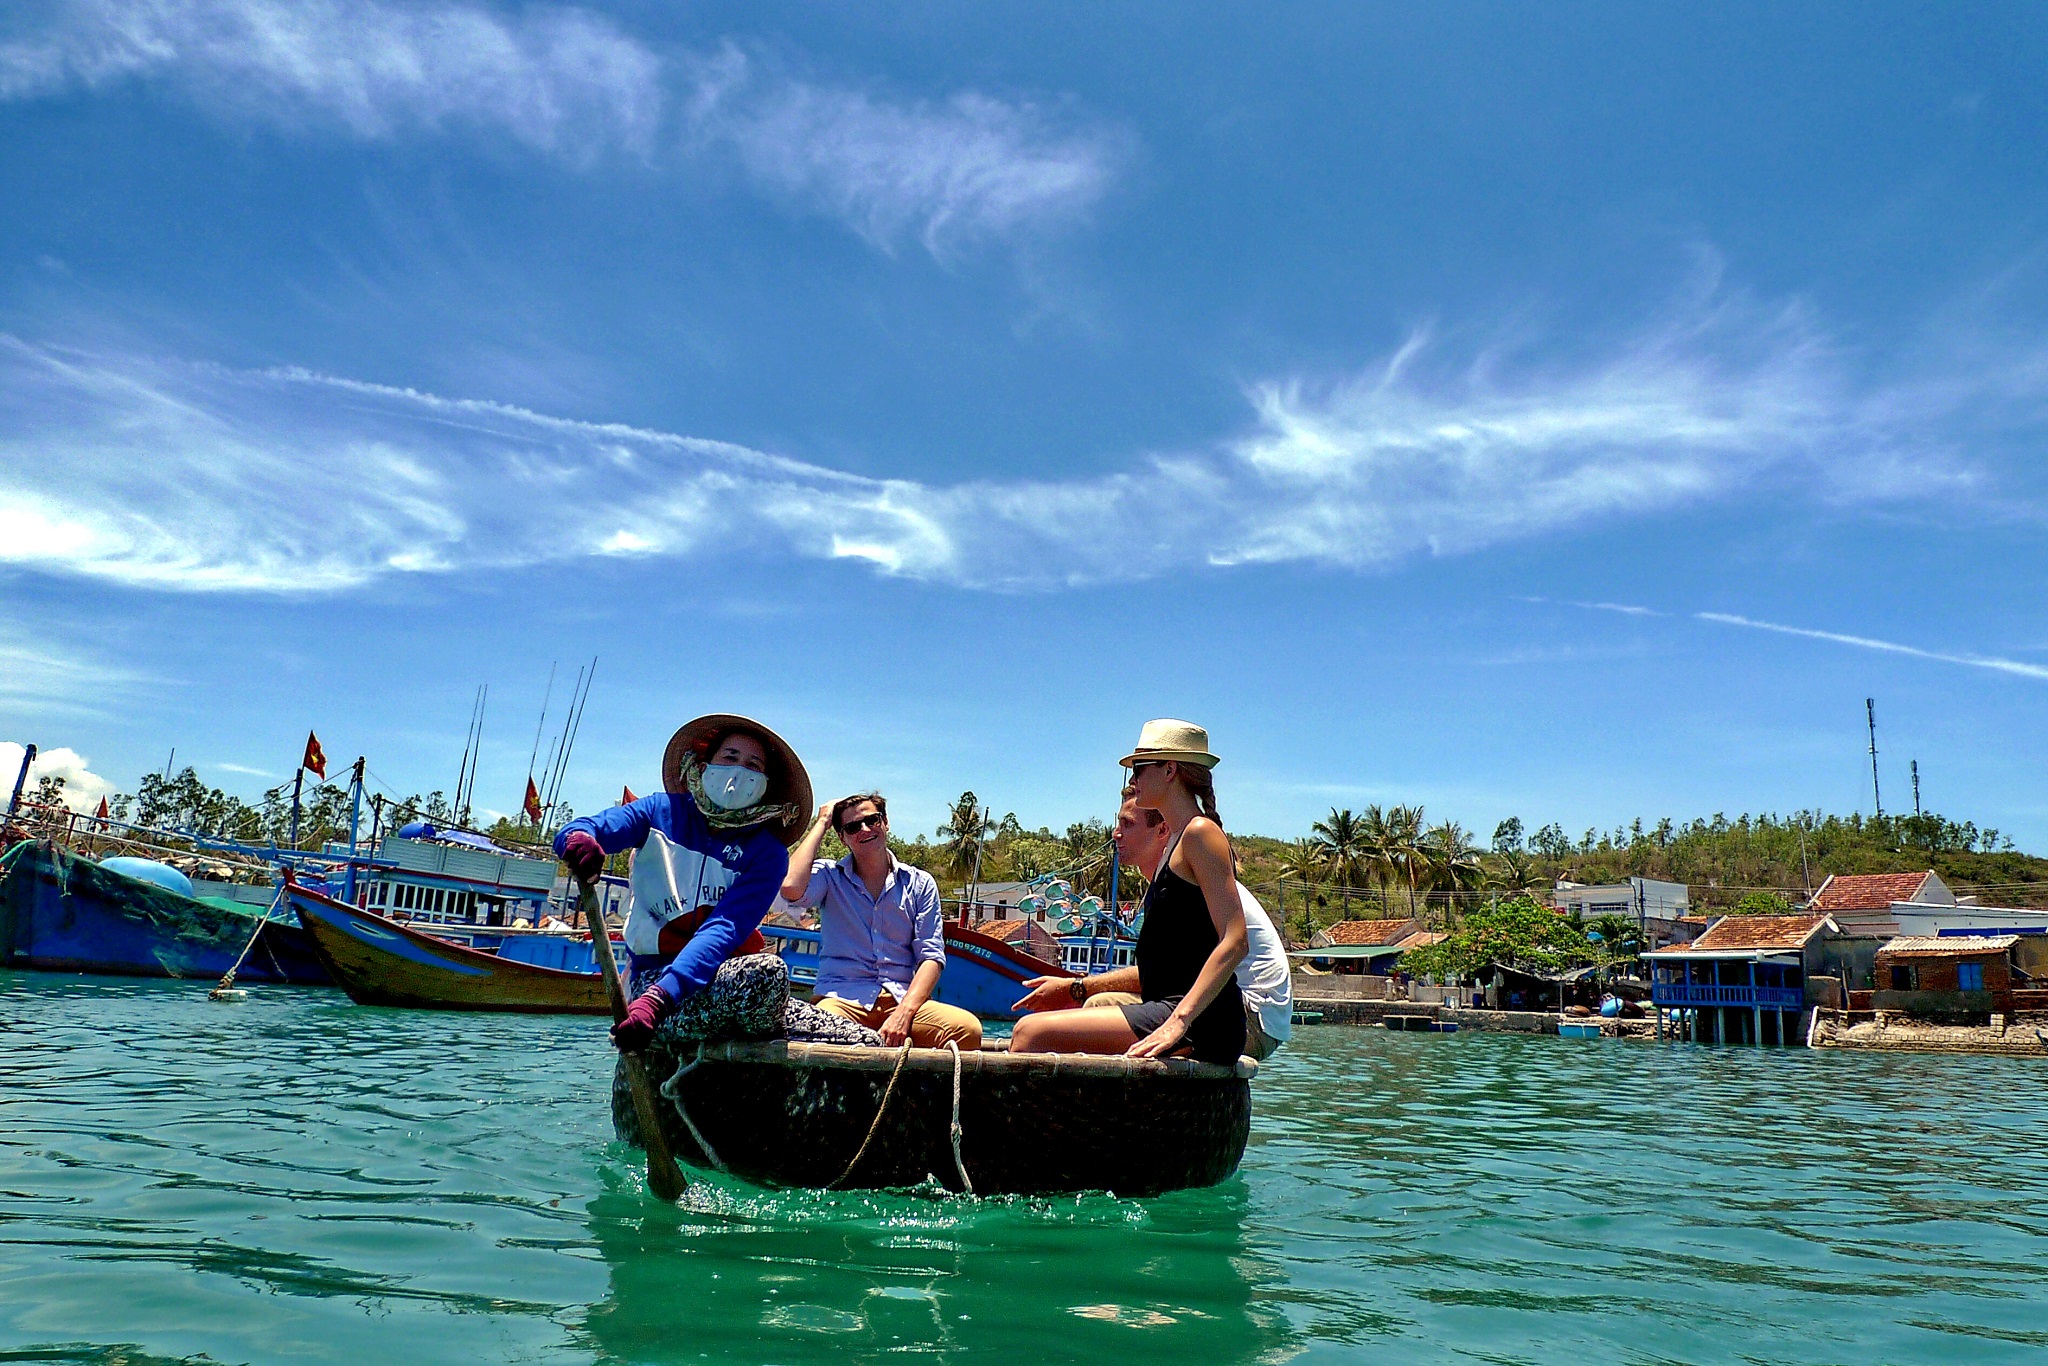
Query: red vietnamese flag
[
  {"x": 532, "y": 807},
  {"x": 101, "y": 814},
  {"x": 626, "y": 797},
  {"x": 316, "y": 758}
]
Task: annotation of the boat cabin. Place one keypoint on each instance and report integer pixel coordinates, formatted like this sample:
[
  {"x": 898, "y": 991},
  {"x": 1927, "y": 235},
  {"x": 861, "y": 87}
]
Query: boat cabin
[{"x": 439, "y": 881}]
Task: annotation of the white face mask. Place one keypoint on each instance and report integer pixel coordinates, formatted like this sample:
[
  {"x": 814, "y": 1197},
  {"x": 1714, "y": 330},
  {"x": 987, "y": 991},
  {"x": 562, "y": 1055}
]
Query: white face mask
[{"x": 733, "y": 787}]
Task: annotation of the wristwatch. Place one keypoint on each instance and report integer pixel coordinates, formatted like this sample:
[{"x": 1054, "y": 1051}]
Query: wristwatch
[{"x": 1078, "y": 989}]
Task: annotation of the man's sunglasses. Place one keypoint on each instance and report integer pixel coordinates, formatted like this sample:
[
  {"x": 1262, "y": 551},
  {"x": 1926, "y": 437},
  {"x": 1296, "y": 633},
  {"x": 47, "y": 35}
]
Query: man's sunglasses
[{"x": 864, "y": 822}]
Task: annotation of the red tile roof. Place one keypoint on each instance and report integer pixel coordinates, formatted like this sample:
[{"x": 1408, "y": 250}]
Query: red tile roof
[
  {"x": 1754, "y": 933},
  {"x": 1368, "y": 932},
  {"x": 1867, "y": 891}
]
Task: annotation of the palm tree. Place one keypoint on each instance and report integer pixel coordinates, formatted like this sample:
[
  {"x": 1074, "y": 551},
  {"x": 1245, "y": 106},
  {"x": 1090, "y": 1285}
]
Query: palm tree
[
  {"x": 1379, "y": 857},
  {"x": 1512, "y": 871},
  {"x": 1406, "y": 850},
  {"x": 1305, "y": 861},
  {"x": 1621, "y": 937},
  {"x": 966, "y": 829},
  {"x": 1455, "y": 864},
  {"x": 1338, "y": 839}
]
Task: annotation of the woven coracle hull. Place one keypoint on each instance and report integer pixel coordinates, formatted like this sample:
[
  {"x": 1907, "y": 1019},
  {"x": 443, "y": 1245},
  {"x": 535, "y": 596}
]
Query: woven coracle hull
[{"x": 794, "y": 1114}]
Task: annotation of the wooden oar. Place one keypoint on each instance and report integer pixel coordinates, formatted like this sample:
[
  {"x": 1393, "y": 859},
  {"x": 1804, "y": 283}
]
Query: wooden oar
[{"x": 663, "y": 1174}]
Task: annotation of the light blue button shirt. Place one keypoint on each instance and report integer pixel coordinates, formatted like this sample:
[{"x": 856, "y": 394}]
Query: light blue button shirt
[{"x": 872, "y": 944}]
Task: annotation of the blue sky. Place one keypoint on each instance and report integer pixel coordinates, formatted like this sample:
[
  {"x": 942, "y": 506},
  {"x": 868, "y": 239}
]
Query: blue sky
[{"x": 1570, "y": 412}]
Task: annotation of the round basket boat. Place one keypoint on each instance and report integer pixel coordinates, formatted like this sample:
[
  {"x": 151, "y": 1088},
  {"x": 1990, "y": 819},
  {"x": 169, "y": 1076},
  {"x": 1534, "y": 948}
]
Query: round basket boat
[{"x": 798, "y": 1114}]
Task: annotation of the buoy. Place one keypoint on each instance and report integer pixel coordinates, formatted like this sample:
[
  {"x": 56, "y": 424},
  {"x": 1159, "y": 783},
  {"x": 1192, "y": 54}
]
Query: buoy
[{"x": 149, "y": 870}]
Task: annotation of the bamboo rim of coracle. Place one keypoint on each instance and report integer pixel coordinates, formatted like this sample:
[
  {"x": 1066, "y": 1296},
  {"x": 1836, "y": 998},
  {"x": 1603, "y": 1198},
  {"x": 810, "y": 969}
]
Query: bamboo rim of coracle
[{"x": 784, "y": 1053}]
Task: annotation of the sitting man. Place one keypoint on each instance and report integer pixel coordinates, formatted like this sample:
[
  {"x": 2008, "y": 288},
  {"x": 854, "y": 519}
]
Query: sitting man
[
  {"x": 882, "y": 945},
  {"x": 1262, "y": 978}
]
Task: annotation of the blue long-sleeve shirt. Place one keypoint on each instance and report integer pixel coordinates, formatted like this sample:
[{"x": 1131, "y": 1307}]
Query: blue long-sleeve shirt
[{"x": 707, "y": 888}]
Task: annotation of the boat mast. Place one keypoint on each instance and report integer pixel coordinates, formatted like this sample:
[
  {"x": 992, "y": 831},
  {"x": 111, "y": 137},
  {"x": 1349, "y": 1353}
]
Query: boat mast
[
  {"x": 28, "y": 756},
  {"x": 540, "y": 724},
  {"x": 355, "y": 817}
]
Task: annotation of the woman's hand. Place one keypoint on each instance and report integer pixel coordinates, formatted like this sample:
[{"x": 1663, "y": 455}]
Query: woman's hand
[
  {"x": 1166, "y": 1039},
  {"x": 1047, "y": 993},
  {"x": 896, "y": 1028}
]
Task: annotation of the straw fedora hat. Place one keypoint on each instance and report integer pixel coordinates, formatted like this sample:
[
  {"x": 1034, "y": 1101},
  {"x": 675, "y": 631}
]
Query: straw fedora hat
[
  {"x": 788, "y": 784},
  {"x": 1180, "y": 742}
]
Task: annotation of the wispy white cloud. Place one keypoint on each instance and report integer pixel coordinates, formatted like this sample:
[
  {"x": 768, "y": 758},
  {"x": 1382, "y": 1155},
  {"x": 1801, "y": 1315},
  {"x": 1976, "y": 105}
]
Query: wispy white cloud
[
  {"x": 1991, "y": 662},
  {"x": 967, "y": 168},
  {"x": 181, "y": 476},
  {"x": 245, "y": 770},
  {"x": 573, "y": 84},
  {"x": 560, "y": 80},
  {"x": 43, "y": 677},
  {"x": 1623, "y": 608}
]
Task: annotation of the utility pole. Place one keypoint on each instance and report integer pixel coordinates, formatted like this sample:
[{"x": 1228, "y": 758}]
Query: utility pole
[
  {"x": 1916, "y": 788},
  {"x": 1870, "y": 712}
]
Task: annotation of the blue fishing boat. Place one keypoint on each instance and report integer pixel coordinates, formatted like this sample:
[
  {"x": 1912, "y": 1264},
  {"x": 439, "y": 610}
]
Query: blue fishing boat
[{"x": 62, "y": 912}]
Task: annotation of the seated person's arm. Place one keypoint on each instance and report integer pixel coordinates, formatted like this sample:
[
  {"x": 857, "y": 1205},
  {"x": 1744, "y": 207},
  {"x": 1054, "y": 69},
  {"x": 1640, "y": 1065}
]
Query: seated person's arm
[
  {"x": 798, "y": 880},
  {"x": 1057, "y": 993}
]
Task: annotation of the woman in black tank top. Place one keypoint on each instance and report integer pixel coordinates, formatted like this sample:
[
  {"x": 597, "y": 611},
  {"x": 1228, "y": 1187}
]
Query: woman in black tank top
[
  {"x": 1193, "y": 937},
  {"x": 1175, "y": 942}
]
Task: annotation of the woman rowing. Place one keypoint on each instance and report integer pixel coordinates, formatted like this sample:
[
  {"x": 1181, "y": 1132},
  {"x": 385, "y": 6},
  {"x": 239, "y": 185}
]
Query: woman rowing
[
  {"x": 1194, "y": 932},
  {"x": 713, "y": 849}
]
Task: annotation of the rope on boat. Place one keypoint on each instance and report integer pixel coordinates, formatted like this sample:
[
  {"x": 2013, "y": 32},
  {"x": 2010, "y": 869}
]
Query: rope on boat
[
  {"x": 958, "y": 1165},
  {"x": 901, "y": 1057},
  {"x": 672, "y": 1088},
  {"x": 224, "y": 992}
]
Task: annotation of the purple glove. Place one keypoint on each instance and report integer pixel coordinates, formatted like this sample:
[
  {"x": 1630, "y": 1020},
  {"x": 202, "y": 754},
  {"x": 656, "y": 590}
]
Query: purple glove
[
  {"x": 636, "y": 1031},
  {"x": 583, "y": 855}
]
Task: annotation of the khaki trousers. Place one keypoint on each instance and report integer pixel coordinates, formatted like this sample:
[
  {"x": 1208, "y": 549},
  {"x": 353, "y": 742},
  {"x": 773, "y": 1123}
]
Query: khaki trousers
[{"x": 934, "y": 1026}]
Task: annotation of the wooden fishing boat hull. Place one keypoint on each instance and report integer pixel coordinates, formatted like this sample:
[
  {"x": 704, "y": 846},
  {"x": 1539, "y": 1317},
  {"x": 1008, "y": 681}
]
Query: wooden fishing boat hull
[
  {"x": 985, "y": 975},
  {"x": 795, "y": 1114},
  {"x": 60, "y": 912},
  {"x": 379, "y": 962}
]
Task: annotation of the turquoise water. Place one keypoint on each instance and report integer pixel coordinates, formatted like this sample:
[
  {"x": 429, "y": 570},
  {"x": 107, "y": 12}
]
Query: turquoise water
[{"x": 296, "y": 1177}]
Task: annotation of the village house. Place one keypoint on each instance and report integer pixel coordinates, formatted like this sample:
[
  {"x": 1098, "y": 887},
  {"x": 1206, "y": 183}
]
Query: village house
[
  {"x": 1747, "y": 979},
  {"x": 998, "y": 901},
  {"x": 1862, "y": 903},
  {"x": 1371, "y": 947},
  {"x": 1967, "y": 977},
  {"x": 1653, "y": 906}
]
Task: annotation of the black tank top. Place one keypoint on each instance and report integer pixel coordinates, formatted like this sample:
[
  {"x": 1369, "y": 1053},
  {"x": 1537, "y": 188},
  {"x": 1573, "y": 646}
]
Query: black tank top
[{"x": 1175, "y": 941}]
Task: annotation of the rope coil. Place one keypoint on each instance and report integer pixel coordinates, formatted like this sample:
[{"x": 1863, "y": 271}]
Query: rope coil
[
  {"x": 672, "y": 1088},
  {"x": 902, "y": 1057},
  {"x": 959, "y": 1165}
]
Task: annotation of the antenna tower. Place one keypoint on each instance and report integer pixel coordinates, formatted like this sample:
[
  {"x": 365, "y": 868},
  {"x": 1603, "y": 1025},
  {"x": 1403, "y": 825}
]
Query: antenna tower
[{"x": 1876, "y": 797}]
